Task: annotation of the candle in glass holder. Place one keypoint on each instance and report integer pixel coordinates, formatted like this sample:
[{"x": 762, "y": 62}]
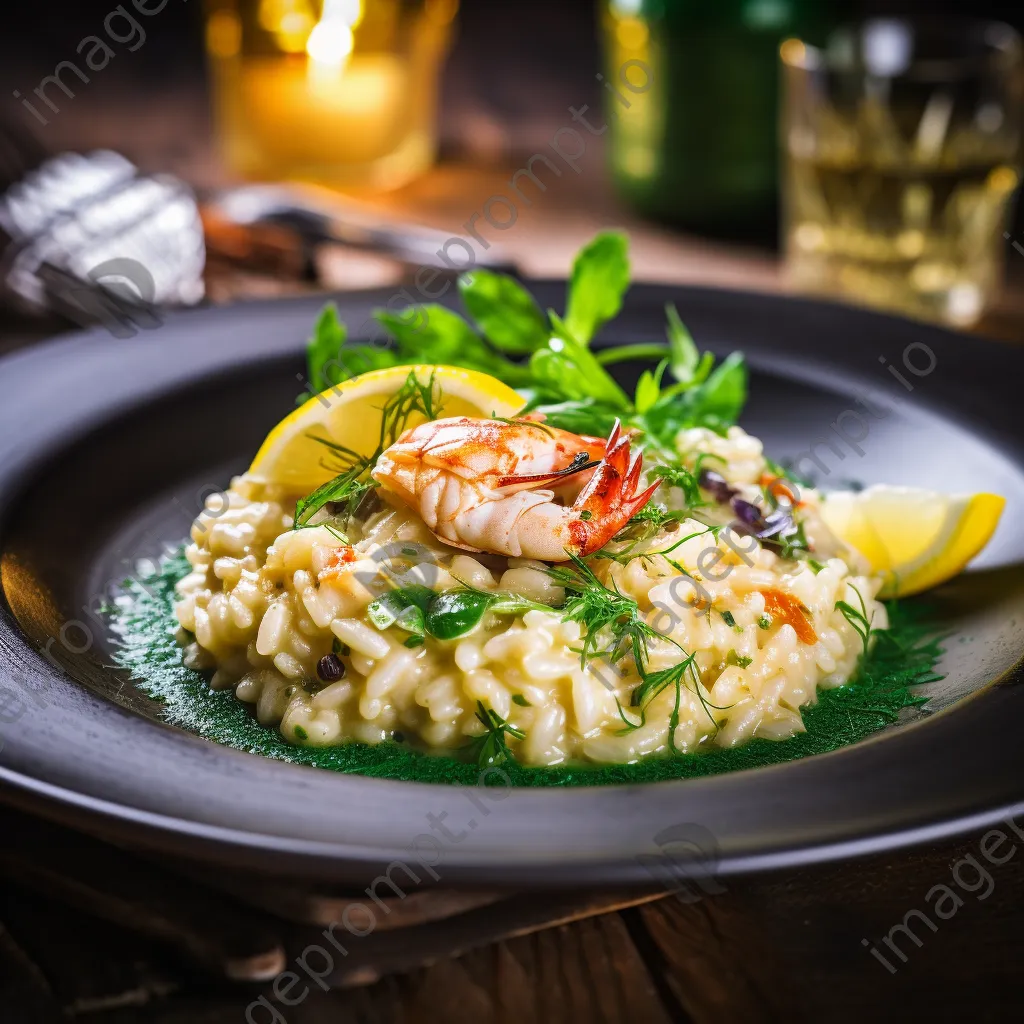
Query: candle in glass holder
[{"x": 354, "y": 107}]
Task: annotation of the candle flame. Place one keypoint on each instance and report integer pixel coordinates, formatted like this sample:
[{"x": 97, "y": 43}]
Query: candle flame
[{"x": 330, "y": 43}]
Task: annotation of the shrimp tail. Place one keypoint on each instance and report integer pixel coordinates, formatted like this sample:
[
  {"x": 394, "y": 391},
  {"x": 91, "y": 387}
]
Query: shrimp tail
[{"x": 609, "y": 499}]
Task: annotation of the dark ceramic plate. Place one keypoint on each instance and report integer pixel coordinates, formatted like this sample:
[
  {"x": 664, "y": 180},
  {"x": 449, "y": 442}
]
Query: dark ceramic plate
[{"x": 107, "y": 447}]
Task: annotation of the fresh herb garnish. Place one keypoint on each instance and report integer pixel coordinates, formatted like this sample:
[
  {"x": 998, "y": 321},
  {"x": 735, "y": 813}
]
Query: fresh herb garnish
[
  {"x": 764, "y": 621},
  {"x": 493, "y": 745},
  {"x": 444, "y": 615},
  {"x": 563, "y": 378},
  {"x": 405, "y": 607},
  {"x": 596, "y": 608},
  {"x": 518, "y": 698},
  {"x": 676, "y": 475},
  {"x": 353, "y": 482},
  {"x": 656, "y": 682},
  {"x": 742, "y": 660},
  {"x": 857, "y": 618},
  {"x": 729, "y": 619},
  {"x": 454, "y": 613},
  {"x": 322, "y": 349},
  {"x": 505, "y": 311},
  {"x": 600, "y": 277}
]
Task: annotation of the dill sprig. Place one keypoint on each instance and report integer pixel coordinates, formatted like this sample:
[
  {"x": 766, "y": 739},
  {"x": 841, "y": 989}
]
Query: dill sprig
[
  {"x": 493, "y": 745},
  {"x": 353, "y": 481},
  {"x": 597, "y": 607},
  {"x": 857, "y": 618}
]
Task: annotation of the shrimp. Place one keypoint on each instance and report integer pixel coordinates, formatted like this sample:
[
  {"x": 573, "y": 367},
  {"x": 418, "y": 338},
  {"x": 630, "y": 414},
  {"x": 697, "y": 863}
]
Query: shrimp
[{"x": 496, "y": 485}]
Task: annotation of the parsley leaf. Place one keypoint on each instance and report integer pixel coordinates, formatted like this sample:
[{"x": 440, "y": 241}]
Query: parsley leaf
[
  {"x": 507, "y": 314},
  {"x": 600, "y": 277}
]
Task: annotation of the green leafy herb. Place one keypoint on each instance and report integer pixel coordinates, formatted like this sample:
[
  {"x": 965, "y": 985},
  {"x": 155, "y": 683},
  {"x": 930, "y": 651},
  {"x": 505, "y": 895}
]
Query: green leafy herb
[
  {"x": 857, "y": 618},
  {"x": 300, "y": 733},
  {"x": 689, "y": 367},
  {"x": 446, "y": 615},
  {"x": 353, "y": 483},
  {"x": 648, "y": 388},
  {"x": 562, "y": 378},
  {"x": 597, "y": 607},
  {"x": 729, "y": 619},
  {"x": 642, "y": 526},
  {"x": 600, "y": 277},
  {"x": 436, "y": 334},
  {"x": 507, "y": 314},
  {"x": 732, "y": 658},
  {"x": 656, "y": 682},
  {"x": 493, "y": 745},
  {"x": 638, "y": 350},
  {"x": 340, "y": 649},
  {"x": 405, "y": 607},
  {"x": 416, "y": 640},
  {"x": 764, "y": 621},
  {"x": 815, "y": 565},
  {"x": 518, "y": 698},
  {"x": 327, "y": 340},
  {"x": 454, "y": 613},
  {"x": 565, "y": 370},
  {"x": 677, "y": 475}
]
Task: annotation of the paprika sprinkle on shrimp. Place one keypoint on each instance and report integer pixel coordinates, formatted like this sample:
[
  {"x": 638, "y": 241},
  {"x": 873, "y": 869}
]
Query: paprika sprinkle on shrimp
[{"x": 515, "y": 488}]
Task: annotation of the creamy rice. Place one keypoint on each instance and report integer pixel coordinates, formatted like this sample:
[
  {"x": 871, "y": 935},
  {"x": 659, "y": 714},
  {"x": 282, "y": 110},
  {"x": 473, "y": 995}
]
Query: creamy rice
[{"x": 264, "y": 603}]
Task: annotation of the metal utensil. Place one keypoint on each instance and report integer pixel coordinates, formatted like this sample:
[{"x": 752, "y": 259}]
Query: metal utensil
[
  {"x": 316, "y": 215},
  {"x": 89, "y": 237}
]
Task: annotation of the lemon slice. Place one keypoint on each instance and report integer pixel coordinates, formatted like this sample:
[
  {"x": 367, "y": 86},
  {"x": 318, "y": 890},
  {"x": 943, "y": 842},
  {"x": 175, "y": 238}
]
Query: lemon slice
[
  {"x": 915, "y": 538},
  {"x": 350, "y": 415}
]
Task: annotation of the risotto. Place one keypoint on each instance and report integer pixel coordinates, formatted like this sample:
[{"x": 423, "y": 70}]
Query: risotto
[{"x": 697, "y": 623}]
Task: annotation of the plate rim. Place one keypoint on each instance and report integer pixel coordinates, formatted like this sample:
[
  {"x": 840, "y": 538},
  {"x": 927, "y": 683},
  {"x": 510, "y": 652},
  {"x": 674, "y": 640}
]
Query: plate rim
[{"x": 90, "y": 810}]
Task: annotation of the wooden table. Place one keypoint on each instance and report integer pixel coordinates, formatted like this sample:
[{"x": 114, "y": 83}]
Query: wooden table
[{"x": 791, "y": 947}]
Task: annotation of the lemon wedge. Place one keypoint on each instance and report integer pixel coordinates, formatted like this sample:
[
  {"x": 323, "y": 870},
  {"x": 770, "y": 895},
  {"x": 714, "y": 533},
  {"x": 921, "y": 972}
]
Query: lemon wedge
[
  {"x": 915, "y": 538},
  {"x": 350, "y": 415}
]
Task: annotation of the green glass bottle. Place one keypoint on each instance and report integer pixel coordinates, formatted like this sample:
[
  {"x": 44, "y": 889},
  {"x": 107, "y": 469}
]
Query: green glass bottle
[{"x": 697, "y": 145}]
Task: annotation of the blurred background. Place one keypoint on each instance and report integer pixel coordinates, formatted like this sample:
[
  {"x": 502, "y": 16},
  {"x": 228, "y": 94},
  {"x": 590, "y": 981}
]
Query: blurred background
[{"x": 900, "y": 196}]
